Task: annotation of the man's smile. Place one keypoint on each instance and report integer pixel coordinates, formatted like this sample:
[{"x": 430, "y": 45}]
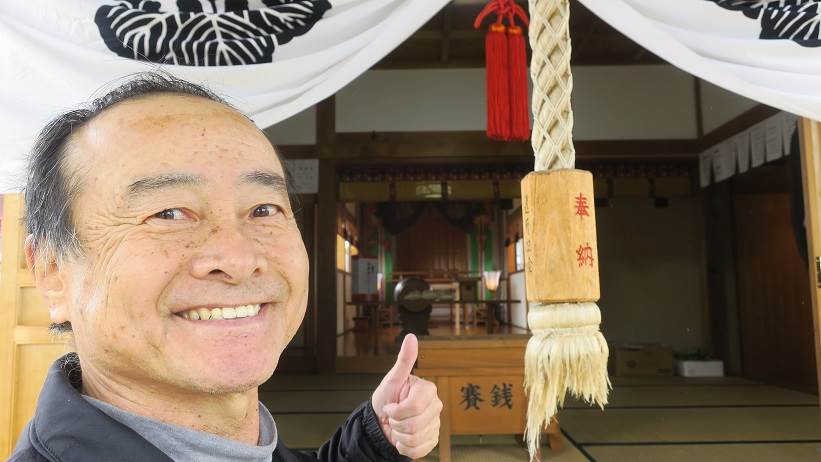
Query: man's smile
[{"x": 223, "y": 312}]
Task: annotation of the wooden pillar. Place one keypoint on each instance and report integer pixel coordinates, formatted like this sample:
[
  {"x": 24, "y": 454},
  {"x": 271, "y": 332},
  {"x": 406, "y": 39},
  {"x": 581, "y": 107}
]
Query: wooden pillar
[
  {"x": 12, "y": 211},
  {"x": 325, "y": 262},
  {"x": 810, "y": 133},
  {"x": 722, "y": 300}
]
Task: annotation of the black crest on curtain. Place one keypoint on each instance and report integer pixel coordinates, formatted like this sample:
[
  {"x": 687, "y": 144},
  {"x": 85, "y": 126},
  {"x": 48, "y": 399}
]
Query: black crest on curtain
[
  {"x": 205, "y": 32},
  {"x": 796, "y": 20}
]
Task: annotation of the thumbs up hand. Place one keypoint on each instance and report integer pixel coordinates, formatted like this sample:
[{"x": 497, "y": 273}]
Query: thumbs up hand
[{"x": 407, "y": 406}]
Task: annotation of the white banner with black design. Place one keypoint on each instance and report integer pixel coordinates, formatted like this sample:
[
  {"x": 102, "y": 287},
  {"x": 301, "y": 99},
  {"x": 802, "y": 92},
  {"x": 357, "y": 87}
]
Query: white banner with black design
[
  {"x": 270, "y": 58},
  {"x": 766, "y": 50}
]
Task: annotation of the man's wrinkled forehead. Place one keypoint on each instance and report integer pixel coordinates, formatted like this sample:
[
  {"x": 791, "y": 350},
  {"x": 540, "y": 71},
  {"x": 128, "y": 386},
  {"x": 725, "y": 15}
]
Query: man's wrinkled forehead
[
  {"x": 160, "y": 127},
  {"x": 160, "y": 114}
]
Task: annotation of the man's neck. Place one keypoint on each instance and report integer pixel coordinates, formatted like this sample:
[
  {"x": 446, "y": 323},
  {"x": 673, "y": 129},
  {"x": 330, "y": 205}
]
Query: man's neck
[{"x": 234, "y": 416}]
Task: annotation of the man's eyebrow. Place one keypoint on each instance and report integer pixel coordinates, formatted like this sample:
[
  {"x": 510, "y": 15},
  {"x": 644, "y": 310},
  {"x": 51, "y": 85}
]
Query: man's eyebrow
[
  {"x": 266, "y": 178},
  {"x": 153, "y": 183}
]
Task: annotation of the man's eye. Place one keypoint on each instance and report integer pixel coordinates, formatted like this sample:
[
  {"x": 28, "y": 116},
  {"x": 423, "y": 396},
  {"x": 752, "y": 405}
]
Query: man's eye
[
  {"x": 170, "y": 214},
  {"x": 265, "y": 210}
]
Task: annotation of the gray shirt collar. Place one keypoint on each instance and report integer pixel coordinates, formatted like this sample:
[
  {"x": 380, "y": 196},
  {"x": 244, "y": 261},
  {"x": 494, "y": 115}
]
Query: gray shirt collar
[{"x": 187, "y": 445}]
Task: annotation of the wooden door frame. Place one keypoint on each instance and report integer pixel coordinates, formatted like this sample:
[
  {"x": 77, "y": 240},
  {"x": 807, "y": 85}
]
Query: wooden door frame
[
  {"x": 303, "y": 360},
  {"x": 810, "y": 138},
  {"x": 12, "y": 211}
]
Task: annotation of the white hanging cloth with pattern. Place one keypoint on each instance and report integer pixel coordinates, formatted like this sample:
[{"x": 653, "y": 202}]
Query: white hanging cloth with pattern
[
  {"x": 270, "y": 58},
  {"x": 765, "y": 50}
]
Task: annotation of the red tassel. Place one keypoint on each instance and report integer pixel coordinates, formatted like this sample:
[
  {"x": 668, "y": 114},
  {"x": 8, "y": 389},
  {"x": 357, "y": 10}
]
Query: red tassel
[
  {"x": 498, "y": 85},
  {"x": 508, "y": 111},
  {"x": 519, "y": 105}
]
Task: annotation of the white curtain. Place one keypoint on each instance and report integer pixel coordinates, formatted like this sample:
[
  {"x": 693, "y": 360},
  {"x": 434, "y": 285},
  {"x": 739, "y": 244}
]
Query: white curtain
[
  {"x": 270, "y": 58},
  {"x": 766, "y": 50}
]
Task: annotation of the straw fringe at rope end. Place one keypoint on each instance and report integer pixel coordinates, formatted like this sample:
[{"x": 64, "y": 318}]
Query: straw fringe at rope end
[{"x": 557, "y": 363}]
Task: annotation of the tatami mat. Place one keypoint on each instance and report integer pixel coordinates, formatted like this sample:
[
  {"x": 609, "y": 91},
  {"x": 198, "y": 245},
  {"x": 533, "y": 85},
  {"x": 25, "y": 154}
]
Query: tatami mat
[
  {"x": 648, "y": 419},
  {"x": 791, "y": 452},
  {"x": 676, "y": 380},
  {"x": 494, "y": 452},
  {"x": 696, "y": 424},
  {"x": 703, "y": 395}
]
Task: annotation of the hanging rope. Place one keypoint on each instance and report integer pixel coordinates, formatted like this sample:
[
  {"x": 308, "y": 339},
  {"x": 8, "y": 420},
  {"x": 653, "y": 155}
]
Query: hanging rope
[
  {"x": 552, "y": 135},
  {"x": 567, "y": 352}
]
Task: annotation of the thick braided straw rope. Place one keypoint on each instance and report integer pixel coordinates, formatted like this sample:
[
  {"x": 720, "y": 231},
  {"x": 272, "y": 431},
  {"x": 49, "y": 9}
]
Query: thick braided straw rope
[
  {"x": 567, "y": 352},
  {"x": 552, "y": 135}
]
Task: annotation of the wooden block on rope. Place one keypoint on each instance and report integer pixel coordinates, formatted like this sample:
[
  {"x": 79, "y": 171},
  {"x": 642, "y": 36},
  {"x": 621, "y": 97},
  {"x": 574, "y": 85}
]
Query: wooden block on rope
[{"x": 561, "y": 254}]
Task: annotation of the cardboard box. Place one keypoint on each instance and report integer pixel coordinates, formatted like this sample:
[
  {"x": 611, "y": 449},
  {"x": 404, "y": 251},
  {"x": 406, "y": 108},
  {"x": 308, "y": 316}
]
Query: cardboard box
[
  {"x": 642, "y": 360},
  {"x": 692, "y": 368}
]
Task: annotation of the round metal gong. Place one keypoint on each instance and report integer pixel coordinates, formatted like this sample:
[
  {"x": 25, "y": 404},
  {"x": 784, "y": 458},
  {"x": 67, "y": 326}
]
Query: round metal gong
[{"x": 410, "y": 294}]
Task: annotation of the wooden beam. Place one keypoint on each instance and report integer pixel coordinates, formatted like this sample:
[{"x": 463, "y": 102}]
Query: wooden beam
[
  {"x": 811, "y": 178},
  {"x": 446, "y": 31},
  {"x": 297, "y": 151},
  {"x": 699, "y": 107},
  {"x": 478, "y": 61},
  {"x": 737, "y": 125},
  {"x": 380, "y": 147}
]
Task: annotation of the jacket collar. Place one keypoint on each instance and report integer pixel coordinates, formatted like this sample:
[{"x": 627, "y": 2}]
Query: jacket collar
[{"x": 66, "y": 428}]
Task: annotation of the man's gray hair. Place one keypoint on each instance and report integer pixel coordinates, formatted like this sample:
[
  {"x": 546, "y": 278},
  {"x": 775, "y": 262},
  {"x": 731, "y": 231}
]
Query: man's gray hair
[{"x": 50, "y": 187}]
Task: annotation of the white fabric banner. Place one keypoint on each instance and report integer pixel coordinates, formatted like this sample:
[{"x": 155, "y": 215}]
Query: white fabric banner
[
  {"x": 764, "y": 142},
  {"x": 270, "y": 58},
  {"x": 765, "y": 50}
]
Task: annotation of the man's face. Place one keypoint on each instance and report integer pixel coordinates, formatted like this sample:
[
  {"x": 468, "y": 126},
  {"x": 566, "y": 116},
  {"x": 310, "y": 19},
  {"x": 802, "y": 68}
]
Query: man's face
[{"x": 182, "y": 209}]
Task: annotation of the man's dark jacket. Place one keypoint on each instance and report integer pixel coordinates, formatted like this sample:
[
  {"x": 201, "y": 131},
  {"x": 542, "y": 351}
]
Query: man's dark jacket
[{"x": 67, "y": 428}]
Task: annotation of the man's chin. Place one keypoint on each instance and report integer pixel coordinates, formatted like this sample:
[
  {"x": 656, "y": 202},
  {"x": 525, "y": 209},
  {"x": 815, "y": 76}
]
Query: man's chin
[
  {"x": 229, "y": 385},
  {"x": 236, "y": 377},
  {"x": 229, "y": 389}
]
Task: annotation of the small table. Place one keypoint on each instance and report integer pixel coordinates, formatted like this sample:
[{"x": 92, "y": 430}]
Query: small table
[{"x": 491, "y": 319}]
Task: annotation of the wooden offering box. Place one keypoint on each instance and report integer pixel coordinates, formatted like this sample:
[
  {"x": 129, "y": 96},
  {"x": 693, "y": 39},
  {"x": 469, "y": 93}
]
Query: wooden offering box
[{"x": 480, "y": 382}]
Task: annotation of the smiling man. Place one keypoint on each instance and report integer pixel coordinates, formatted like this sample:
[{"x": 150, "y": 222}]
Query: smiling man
[{"x": 162, "y": 238}]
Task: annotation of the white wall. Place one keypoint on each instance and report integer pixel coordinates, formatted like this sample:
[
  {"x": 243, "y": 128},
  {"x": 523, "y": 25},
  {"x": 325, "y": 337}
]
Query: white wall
[
  {"x": 298, "y": 129},
  {"x": 633, "y": 102},
  {"x": 652, "y": 272},
  {"x": 610, "y": 102},
  {"x": 719, "y": 106},
  {"x": 413, "y": 100},
  {"x": 518, "y": 315}
]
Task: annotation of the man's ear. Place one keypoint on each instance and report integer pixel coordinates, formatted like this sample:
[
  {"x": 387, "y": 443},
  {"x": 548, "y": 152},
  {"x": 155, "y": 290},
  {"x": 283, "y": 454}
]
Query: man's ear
[{"x": 50, "y": 281}]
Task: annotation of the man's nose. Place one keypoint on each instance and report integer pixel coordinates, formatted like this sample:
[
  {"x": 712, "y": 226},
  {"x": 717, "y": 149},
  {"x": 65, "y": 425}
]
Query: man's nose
[{"x": 229, "y": 256}]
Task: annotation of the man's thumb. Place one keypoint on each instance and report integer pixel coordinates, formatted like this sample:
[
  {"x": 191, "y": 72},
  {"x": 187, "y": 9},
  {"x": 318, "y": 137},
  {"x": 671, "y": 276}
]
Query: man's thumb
[{"x": 405, "y": 360}]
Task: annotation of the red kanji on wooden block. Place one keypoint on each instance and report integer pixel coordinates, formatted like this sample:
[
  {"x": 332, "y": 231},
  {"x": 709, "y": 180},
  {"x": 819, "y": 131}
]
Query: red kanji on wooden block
[
  {"x": 584, "y": 255},
  {"x": 582, "y": 207}
]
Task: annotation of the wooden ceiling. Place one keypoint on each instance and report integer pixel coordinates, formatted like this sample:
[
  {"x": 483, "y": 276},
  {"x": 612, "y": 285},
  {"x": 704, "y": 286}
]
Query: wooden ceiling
[{"x": 449, "y": 40}]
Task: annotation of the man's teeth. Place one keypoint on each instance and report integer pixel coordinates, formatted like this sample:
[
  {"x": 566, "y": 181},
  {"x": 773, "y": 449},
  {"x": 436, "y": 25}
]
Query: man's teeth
[{"x": 205, "y": 314}]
